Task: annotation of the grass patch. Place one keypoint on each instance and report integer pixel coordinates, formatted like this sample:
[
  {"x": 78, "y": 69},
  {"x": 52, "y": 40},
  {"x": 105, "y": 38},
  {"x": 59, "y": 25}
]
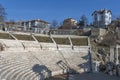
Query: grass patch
[
  {"x": 5, "y": 36},
  {"x": 62, "y": 41},
  {"x": 43, "y": 39},
  {"x": 23, "y": 37},
  {"x": 79, "y": 41}
]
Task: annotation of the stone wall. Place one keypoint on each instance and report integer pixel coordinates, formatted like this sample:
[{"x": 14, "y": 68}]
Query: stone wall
[{"x": 98, "y": 32}]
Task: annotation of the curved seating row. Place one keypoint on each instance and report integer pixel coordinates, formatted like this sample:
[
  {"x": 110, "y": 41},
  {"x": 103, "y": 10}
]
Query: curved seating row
[
  {"x": 27, "y": 60},
  {"x": 19, "y": 64}
]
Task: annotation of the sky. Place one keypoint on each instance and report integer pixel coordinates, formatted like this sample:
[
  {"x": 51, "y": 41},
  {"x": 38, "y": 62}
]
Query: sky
[{"x": 58, "y": 10}]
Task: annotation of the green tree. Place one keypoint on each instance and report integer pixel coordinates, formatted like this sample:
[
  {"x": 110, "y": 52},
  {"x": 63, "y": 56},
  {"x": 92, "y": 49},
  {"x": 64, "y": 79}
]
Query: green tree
[{"x": 83, "y": 22}]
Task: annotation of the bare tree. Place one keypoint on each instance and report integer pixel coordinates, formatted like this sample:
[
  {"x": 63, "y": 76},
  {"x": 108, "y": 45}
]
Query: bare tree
[
  {"x": 2, "y": 13},
  {"x": 54, "y": 24}
]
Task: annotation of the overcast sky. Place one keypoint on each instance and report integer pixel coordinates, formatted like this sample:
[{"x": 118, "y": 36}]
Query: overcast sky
[{"x": 59, "y": 10}]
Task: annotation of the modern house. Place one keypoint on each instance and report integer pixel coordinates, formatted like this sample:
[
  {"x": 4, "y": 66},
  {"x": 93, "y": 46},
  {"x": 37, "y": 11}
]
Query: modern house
[
  {"x": 69, "y": 23},
  {"x": 37, "y": 26},
  {"x": 102, "y": 18}
]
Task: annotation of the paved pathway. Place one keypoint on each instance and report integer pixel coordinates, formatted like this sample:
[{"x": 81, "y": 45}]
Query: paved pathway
[
  {"x": 93, "y": 76},
  {"x": 85, "y": 76}
]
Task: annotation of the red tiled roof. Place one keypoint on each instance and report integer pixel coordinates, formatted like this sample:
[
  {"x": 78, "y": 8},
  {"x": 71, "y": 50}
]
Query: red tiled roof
[
  {"x": 39, "y": 21},
  {"x": 101, "y": 11}
]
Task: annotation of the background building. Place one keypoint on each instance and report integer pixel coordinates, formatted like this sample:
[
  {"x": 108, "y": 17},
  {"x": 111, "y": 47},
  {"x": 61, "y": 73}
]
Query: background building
[
  {"x": 37, "y": 26},
  {"x": 69, "y": 23},
  {"x": 102, "y": 18},
  {"x": 2, "y": 26}
]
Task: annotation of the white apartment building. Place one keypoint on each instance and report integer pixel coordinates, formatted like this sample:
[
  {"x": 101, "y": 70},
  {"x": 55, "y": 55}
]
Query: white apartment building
[
  {"x": 37, "y": 26},
  {"x": 102, "y": 18}
]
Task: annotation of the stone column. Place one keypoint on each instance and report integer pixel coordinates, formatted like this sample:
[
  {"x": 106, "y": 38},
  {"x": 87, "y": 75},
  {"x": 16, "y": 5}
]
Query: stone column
[
  {"x": 24, "y": 24},
  {"x": 119, "y": 70},
  {"x": 116, "y": 55},
  {"x": 111, "y": 54},
  {"x": 90, "y": 59}
]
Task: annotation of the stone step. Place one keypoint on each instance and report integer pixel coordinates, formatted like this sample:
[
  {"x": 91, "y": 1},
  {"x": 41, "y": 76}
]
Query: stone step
[
  {"x": 16, "y": 73},
  {"x": 12, "y": 73},
  {"x": 7, "y": 71}
]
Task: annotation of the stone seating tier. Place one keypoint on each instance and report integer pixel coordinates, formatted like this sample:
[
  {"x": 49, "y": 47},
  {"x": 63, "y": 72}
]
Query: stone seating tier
[
  {"x": 19, "y": 57},
  {"x": 49, "y": 58}
]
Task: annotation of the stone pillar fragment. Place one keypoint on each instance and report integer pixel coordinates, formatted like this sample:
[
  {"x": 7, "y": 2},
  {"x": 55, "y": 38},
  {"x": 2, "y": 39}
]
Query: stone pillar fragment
[{"x": 116, "y": 55}]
